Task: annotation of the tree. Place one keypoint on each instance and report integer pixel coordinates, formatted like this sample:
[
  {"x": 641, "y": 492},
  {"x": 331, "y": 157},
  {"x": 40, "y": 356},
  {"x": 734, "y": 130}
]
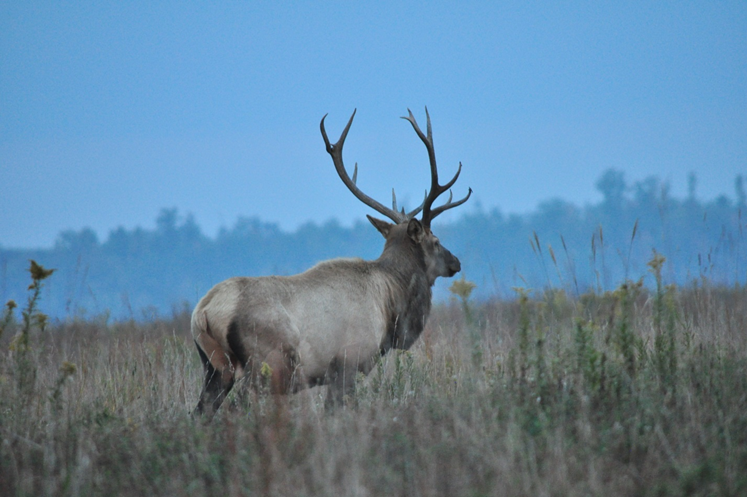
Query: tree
[
  {"x": 647, "y": 192},
  {"x": 166, "y": 221},
  {"x": 77, "y": 241},
  {"x": 612, "y": 186},
  {"x": 692, "y": 184},
  {"x": 739, "y": 187}
]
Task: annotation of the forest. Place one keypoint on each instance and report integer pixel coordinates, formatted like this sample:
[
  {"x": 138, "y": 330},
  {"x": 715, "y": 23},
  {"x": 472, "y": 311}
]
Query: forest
[{"x": 144, "y": 273}]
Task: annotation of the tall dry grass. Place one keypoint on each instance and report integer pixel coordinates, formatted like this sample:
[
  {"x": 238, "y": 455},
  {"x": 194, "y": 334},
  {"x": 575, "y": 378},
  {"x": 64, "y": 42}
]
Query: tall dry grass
[{"x": 624, "y": 393}]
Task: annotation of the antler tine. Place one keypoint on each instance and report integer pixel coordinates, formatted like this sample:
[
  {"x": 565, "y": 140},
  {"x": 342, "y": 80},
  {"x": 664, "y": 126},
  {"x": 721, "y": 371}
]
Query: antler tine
[
  {"x": 417, "y": 209},
  {"x": 448, "y": 205},
  {"x": 428, "y": 126},
  {"x": 341, "y": 141},
  {"x": 413, "y": 212},
  {"x": 436, "y": 189},
  {"x": 453, "y": 180},
  {"x": 335, "y": 151}
]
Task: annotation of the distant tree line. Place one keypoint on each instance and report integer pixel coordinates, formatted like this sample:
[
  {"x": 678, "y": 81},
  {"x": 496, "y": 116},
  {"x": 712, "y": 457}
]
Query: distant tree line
[{"x": 139, "y": 273}]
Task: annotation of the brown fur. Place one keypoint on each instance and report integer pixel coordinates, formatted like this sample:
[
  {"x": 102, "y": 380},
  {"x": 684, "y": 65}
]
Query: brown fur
[{"x": 322, "y": 326}]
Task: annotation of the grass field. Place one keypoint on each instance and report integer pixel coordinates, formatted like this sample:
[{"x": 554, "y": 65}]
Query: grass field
[{"x": 631, "y": 392}]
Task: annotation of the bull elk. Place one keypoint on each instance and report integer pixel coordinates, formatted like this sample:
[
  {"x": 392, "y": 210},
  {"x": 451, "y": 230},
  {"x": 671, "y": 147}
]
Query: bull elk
[{"x": 338, "y": 318}]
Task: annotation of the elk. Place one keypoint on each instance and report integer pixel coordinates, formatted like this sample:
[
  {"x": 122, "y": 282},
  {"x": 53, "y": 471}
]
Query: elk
[{"x": 338, "y": 318}]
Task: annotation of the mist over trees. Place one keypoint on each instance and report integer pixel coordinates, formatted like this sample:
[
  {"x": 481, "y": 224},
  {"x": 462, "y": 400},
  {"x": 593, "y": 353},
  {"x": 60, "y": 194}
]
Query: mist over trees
[{"x": 139, "y": 273}]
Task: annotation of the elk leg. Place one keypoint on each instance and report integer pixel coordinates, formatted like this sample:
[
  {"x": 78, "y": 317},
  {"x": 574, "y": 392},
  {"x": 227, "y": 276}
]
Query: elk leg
[
  {"x": 341, "y": 374},
  {"x": 282, "y": 363},
  {"x": 341, "y": 381},
  {"x": 218, "y": 382}
]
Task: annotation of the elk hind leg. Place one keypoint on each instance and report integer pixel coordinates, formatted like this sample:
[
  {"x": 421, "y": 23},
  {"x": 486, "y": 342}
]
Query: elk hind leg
[
  {"x": 282, "y": 368},
  {"x": 219, "y": 380}
]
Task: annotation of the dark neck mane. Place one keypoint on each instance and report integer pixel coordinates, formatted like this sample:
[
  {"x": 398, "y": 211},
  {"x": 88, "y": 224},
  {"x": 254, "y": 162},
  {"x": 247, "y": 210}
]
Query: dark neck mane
[{"x": 410, "y": 293}]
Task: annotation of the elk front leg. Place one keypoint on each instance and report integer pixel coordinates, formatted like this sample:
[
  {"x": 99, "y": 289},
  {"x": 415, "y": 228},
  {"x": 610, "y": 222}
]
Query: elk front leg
[{"x": 342, "y": 371}]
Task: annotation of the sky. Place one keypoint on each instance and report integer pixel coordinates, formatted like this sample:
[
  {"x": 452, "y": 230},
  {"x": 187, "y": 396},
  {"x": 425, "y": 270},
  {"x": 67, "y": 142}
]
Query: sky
[{"x": 112, "y": 111}]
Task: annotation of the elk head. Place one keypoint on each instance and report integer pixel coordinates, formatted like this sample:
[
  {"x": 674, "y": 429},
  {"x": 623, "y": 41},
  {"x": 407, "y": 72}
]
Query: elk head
[{"x": 438, "y": 260}]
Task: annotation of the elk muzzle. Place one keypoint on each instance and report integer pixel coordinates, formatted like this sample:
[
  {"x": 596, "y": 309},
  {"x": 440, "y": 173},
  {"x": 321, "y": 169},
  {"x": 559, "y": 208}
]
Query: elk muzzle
[{"x": 453, "y": 264}]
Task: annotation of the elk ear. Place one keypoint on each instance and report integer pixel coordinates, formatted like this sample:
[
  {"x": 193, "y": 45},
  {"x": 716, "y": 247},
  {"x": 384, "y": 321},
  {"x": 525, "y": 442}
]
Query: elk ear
[
  {"x": 415, "y": 230},
  {"x": 383, "y": 227}
]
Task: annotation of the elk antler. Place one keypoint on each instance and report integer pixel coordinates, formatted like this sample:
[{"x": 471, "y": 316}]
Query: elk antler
[
  {"x": 336, "y": 152},
  {"x": 398, "y": 216},
  {"x": 436, "y": 189}
]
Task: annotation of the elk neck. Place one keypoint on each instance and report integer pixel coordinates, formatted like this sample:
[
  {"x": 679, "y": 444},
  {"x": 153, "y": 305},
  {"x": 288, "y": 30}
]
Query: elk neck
[{"x": 409, "y": 299}]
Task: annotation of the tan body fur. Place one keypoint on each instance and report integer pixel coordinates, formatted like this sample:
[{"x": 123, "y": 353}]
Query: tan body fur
[{"x": 296, "y": 322}]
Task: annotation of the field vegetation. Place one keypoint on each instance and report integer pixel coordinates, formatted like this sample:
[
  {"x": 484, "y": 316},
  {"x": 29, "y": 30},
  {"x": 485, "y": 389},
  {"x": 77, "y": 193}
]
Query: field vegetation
[{"x": 635, "y": 391}]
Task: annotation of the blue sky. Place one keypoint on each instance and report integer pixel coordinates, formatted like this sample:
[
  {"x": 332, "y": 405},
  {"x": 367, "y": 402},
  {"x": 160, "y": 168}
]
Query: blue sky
[{"x": 111, "y": 111}]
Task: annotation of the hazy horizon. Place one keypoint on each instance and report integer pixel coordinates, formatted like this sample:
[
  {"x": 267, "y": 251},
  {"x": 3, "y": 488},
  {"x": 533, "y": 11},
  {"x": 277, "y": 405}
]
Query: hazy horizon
[{"x": 475, "y": 205}]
